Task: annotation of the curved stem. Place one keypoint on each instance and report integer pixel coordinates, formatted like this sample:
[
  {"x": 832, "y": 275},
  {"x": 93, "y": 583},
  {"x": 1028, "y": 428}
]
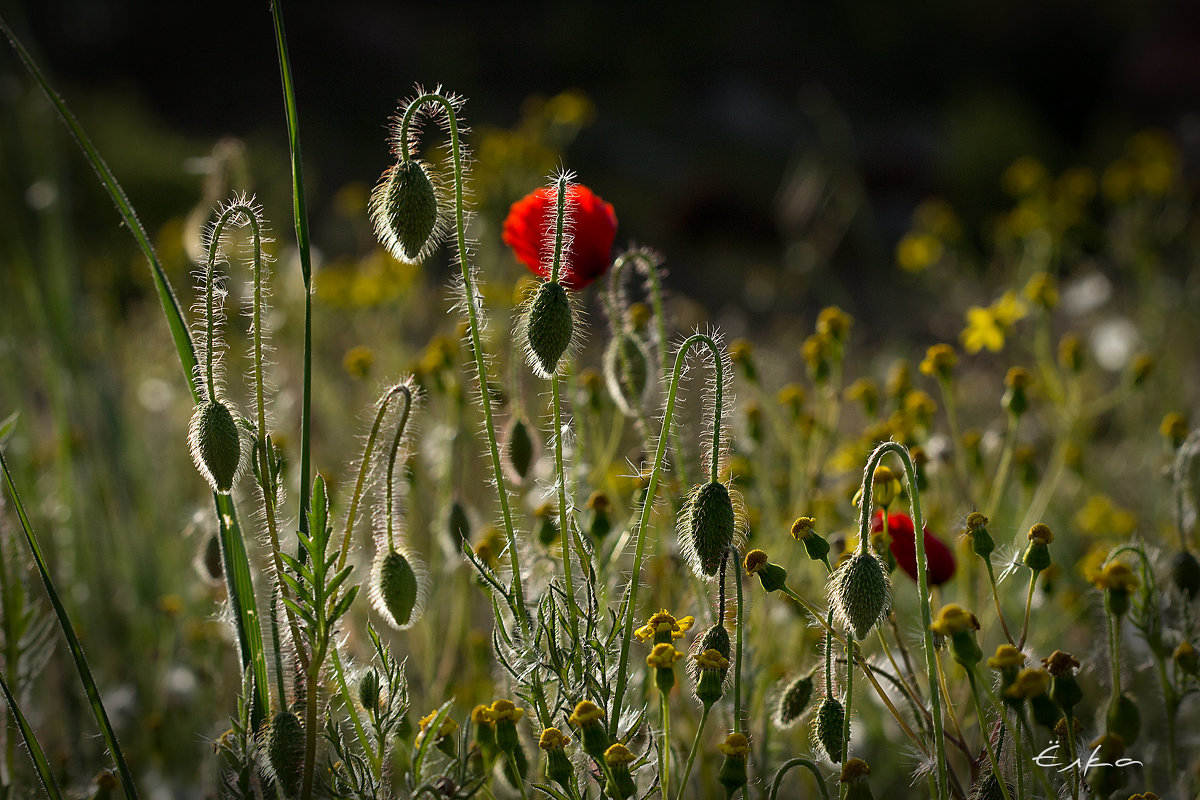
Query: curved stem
[
  {"x": 471, "y": 304},
  {"x": 935, "y": 704},
  {"x": 390, "y": 489},
  {"x": 798, "y": 762},
  {"x": 364, "y": 466},
  {"x": 652, "y": 487}
]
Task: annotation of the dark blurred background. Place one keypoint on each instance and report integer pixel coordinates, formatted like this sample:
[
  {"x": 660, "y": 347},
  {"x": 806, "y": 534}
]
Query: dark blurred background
[{"x": 787, "y": 140}]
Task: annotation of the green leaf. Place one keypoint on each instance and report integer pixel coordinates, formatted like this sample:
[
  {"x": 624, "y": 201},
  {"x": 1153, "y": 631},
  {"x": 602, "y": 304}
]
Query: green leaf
[
  {"x": 36, "y": 754},
  {"x": 7, "y": 426},
  {"x": 64, "y": 621}
]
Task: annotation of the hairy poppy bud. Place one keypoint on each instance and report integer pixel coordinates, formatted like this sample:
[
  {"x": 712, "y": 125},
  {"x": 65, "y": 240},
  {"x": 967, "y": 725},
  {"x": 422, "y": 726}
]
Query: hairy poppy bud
[
  {"x": 860, "y": 592},
  {"x": 827, "y": 728},
  {"x": 396, "y": 590},
  {"x": 794, "y": 700},
  {"x": 707, "y": 527},
  {"x": 368, "y": 690},
  {"x": 404, "y": 209},
  {"x": 520, "y": 449},
  {"x": 988, "y": 788},
  {"x": 216, "y": 444},
  {"x": 548, "y": 325},
  {"x": 285, "y": 752},
  {"x": 627, "y": 372}
]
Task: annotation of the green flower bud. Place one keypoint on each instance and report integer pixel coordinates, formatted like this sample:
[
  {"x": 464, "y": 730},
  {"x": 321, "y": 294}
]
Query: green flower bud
[
  {"x": 549, "y": 325},
  {"x": 707, "y": 527},
  {"x": 396, "y": 590},
  {"x": 285, "y": 752},
  {"x": 794, "y": 700},
  {"x": 627, "y": 372},
  {"x": 827, "y": 728},
  {"x": 520, "y": 448},
  {"x": 368, "y": 690},
  {"x": 854, "y": 776},
  {"x": 216, "y": 445},
  {"x": 404, "y": 210},
  {"x": 732, "y": 775},
  {"x": 860, "y": 592},
  {"x": 981, "y": 540}
]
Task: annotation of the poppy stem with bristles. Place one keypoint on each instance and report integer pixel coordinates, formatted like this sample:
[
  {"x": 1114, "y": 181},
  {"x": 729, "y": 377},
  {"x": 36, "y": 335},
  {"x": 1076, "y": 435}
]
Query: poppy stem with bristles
[
  {"x": 639, "y": 533},
  {"x": 471, "y": 304}
]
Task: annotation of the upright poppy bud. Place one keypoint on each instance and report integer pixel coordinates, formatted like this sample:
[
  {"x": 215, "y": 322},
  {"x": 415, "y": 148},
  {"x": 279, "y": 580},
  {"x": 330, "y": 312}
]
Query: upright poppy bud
[
  {"x": 284, "y": 747},
  {"x": 794, "y": 700},
  {"x": 548, "y": 322}
]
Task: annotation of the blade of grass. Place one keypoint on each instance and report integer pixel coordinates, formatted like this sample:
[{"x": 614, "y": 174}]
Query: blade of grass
[
  {"x": 233, "y": 547},
  {"x": 36, "y": 754},
  {"x": 300, "y": 215},
  {"x": 85, "y": 672}
]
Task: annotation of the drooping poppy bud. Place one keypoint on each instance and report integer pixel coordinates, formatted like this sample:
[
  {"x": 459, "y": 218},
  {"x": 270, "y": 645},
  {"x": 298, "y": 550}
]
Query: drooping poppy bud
[{"x": 216, "y": 444}]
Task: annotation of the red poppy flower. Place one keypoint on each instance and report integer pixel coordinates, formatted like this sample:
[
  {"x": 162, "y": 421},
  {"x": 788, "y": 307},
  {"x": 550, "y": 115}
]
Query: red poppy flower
[
  {"x": 938, "y": 556},
  {"x": 593, "y": 229}
]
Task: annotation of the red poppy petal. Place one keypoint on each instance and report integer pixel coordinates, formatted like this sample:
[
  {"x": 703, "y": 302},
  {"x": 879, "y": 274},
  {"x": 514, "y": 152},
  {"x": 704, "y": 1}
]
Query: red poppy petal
[
  {"x": 938, "y": 556},
  {"x": 593, "y": 227}
]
